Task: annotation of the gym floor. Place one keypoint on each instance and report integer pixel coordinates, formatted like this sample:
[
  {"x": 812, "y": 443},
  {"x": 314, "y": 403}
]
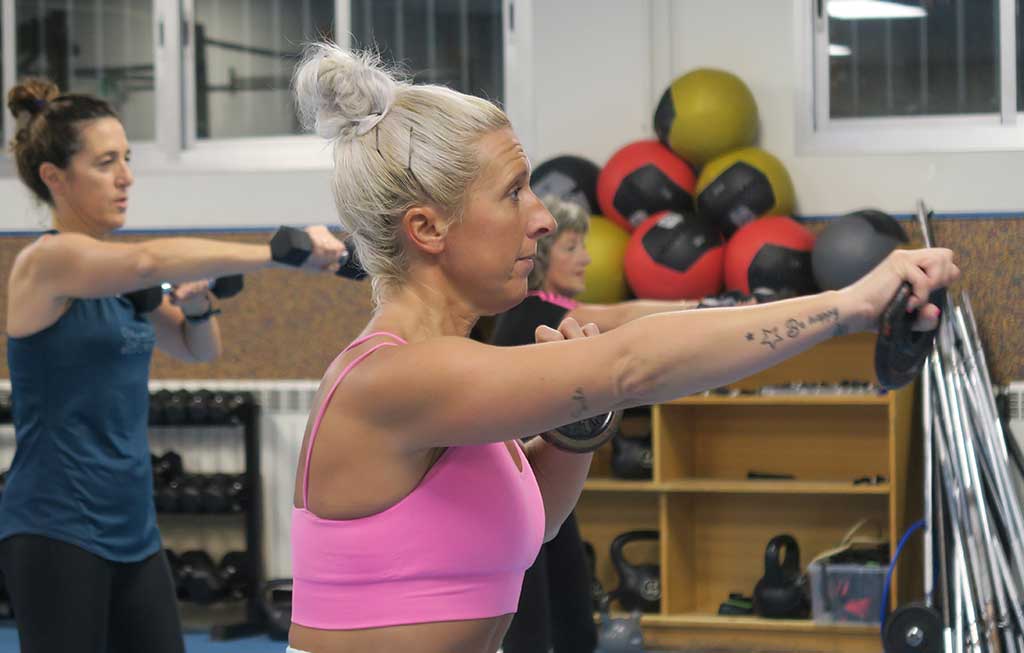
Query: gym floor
[{"x": 195, "y": 642}]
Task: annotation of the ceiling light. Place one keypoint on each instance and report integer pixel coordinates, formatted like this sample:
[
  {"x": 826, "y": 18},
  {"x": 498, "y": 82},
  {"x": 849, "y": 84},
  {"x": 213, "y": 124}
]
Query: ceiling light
[
  {"x": 869, "y": 9},
  {"x": 836, "y": 50}
]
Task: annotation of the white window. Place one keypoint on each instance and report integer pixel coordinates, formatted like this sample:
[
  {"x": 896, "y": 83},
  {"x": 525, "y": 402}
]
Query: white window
[
  {"x": 205, "y": 83},
  {"x": 909, "y": 75}
]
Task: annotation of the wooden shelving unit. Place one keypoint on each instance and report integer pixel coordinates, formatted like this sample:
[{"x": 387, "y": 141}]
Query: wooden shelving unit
[{"x": 715, "y": 523}]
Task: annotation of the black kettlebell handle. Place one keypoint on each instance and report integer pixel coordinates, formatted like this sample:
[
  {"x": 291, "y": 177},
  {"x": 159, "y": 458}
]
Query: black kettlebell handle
[
  {"x": 776, "y": 574},
  {"x": 622, "y": 540}
]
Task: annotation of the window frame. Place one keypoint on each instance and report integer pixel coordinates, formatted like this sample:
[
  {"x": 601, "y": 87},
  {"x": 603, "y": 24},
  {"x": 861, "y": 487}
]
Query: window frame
[
  {"x": 818, "y": 133},
  {"x": 175, "y": 147}
]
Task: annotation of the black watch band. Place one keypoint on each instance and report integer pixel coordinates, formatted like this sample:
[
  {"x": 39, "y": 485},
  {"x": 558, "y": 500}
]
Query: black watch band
[{"x": 202, "y": 317}]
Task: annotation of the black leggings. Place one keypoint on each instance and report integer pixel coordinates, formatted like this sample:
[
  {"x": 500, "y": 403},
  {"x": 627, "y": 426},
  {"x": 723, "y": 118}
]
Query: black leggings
[
  {"x": 555, "y": 610},
  {"x": 66, "y": 599}
]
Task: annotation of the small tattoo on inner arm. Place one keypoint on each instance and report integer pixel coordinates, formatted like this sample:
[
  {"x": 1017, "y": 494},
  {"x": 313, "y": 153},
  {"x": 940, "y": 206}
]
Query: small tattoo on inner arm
[
  {"x": 580, "y": 401},
  {"x": 771, "y": 337},
  {"x": 793, "y": 327}
]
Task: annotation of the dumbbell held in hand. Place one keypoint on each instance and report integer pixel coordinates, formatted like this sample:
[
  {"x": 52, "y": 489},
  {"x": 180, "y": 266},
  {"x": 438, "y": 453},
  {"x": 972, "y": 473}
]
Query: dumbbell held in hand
[
  {"x": 587, "y": 434},
  {"x": 292, "y": 246},
  {"x": 148, "y": 300}
]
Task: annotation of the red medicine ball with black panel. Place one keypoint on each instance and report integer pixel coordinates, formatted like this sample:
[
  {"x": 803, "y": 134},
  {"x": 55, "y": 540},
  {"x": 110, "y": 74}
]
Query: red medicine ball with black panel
[
  {"x": 675, "y": 256},
  {"x": 641, "y": 179},
  {"x": 771, "y": 253}
]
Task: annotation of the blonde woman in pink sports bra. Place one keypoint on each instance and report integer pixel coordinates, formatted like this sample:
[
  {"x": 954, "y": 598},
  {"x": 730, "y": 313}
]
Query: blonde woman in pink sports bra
[{"x": 416, "y": 510}]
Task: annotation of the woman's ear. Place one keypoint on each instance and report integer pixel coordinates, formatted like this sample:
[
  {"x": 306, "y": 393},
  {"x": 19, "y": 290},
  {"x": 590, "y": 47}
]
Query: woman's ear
[
  {"x": 426, "y": 228},
  {"x": 53, "y": 177}
]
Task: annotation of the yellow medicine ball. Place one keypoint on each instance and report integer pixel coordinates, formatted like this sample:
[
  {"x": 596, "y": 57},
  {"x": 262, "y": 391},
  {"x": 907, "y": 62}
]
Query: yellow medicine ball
[
  {"x": 740, "y": 186},
  {"x": 606, "y": 281},
  {"x": 705, "y": 113}
]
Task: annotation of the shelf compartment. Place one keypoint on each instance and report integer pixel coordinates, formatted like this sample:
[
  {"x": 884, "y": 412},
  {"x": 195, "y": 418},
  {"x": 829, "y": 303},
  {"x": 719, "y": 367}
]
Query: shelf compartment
[
  {"x": 812, "y": 442},
  {"x": 715, "y": 542},
  {"x": 604, "y": 516}
]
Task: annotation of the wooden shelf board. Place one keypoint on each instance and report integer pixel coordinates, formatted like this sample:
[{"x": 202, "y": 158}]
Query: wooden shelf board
[
  {"x": 619, "y": 485},
  {"x": 725, "y": 486},
  {"x": 701, "y": 620},
  {"x": 783, "y": 400}
]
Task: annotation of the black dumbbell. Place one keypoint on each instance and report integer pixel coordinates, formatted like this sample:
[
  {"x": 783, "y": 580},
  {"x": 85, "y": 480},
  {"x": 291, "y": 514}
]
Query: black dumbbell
[
  {"x": 198, "y": 408},
  {"x": 167, "y": 495},
  {"x": 166, "y": 467},
  {"x": 156, "y": 407},
  {"x": 214, "y": 493},
  {"x": 291, "y": 246},
  {"x": 172, "y": 407},
  {"x": 191, "y": 493},
  {"x": 6, "y": 408},
  {"x": 148, "y": 300},
  {"x": 238, "y": 493},
  {"x": 236, "y": 402},
  {"x": 233, "y": 570},
  {"x": 201, "y": 582},
  {"x": 217, "y": 409}
]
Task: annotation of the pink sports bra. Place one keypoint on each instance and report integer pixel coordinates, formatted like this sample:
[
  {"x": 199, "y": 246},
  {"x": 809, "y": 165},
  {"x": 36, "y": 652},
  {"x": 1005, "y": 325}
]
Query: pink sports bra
[{"x": 454, "y": 548}]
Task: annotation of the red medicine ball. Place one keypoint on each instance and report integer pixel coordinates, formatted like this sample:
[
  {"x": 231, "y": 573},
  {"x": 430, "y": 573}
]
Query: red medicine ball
[
  {"x": 675, "y": 256},
  {"x": 771, "y": 253},
  {"x": 641, "y": 179}
]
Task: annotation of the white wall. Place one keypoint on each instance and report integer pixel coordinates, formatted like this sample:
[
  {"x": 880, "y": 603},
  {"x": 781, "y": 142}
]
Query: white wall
[
  {"x": 592, "y": 77},
  {"x": 756, "y": 40},
  {"x": 598, "y": 68}
]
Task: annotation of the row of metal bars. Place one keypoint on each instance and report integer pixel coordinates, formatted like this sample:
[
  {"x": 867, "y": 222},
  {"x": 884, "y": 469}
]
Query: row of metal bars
[{"x": 974, "y": 550}]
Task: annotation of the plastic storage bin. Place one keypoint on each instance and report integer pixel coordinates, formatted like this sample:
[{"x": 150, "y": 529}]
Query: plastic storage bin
[{"x": 846, "y": 593}]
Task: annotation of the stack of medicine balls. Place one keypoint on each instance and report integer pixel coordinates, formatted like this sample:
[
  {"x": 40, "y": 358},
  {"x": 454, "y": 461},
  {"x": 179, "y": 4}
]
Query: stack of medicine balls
[{"x": 702, "y": 210}]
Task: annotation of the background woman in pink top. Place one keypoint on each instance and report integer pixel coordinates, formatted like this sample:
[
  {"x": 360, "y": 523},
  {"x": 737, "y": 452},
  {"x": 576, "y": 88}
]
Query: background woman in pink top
[{"x": 397, "y": 511}]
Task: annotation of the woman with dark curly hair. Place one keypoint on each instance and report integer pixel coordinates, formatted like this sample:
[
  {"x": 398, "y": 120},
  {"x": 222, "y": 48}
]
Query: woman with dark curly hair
[{"x": 79, "y": 545}]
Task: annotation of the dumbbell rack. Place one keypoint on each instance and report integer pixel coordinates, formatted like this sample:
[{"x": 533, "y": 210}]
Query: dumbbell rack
[{"x": 248, "y": 416}]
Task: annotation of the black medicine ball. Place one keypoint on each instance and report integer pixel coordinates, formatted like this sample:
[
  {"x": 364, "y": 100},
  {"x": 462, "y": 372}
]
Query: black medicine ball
[
  {"x": 570, "y": 178},
  {"x": 852, "y": 246}
]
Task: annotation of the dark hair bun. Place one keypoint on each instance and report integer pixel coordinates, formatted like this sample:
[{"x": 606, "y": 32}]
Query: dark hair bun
[{"x": 30, "y": 97}]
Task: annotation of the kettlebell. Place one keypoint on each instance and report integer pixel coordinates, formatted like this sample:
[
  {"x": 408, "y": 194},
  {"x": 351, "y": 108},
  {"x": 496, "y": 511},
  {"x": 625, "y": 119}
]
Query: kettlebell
[
  {"x": 780, "y": 594},
  {"x": 620, "y": 634},
  {"x": 632, "y": 458},
  {"x": 276, "y": 600},
  {"x": 597, "y": 594},
  {"x": 639, "y": 585}
]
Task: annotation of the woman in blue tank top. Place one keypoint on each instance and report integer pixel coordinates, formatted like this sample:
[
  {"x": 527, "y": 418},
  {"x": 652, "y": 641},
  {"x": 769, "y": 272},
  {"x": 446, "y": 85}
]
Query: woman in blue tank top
[{"x": 79, "y": 545}]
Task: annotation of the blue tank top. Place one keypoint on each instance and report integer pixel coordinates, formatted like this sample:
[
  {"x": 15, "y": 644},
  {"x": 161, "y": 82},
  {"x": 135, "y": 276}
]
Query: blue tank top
[{"x": 81, "y": 471}]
